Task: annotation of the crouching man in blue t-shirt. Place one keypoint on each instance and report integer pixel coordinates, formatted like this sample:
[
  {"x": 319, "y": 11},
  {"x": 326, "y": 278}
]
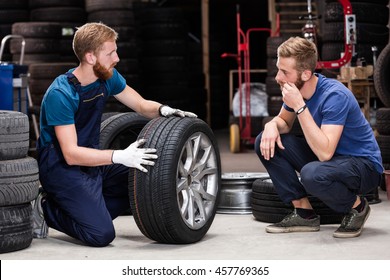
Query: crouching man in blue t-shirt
[
  {"x": 338, "y": 157},
  {"x": 85, "y": 188}
]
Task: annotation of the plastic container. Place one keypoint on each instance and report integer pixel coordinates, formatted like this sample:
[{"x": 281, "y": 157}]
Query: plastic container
[{"x": 6, "y": 87}]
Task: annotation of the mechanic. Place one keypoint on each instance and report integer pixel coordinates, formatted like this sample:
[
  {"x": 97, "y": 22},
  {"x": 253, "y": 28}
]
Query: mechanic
[
  {"x": 85, "y": 188},
  {"x": 337, "y": 158}
]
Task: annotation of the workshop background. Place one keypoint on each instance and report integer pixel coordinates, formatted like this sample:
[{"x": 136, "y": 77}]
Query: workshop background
[{"x": 187, "y": 54}]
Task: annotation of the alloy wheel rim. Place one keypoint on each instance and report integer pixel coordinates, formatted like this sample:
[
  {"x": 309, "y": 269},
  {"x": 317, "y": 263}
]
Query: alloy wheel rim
[{"x": 197, "y": 181}]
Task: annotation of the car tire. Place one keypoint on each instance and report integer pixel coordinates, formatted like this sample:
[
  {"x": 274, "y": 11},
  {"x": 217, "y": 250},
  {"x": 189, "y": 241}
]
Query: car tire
[
  {"x": 16, "y": 228},
  {"x": 19, "y": 181},
  {"x": 14, "y": 135},
  {"x": 119, "y": 130},
  {"x": 176, "y": 200}
]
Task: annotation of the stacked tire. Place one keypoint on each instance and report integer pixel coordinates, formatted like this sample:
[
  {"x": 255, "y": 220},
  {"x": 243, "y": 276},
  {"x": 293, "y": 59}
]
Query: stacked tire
[
  {"x": 166, "y": 74},
  {"x": 383, "y": 137},
  {"x": 19, "y": 182},
  {"x": 11, "y": 12},
  {"x": 42, "y": 39},
  {"x": 68, "y": 14},
  {"x": 381, "y": 82},
  {"x": 267, "y": 206}
]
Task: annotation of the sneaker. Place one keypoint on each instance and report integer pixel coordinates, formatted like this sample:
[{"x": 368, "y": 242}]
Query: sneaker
[
  {"x": 352, "y": 223},
  {"x": 295, "y": 223},
  {"x": 39, "y": 226}
]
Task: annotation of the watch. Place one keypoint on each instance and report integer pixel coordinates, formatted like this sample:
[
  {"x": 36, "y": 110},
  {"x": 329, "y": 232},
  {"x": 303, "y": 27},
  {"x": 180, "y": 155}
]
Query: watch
[{"x": 300, "y": 110}]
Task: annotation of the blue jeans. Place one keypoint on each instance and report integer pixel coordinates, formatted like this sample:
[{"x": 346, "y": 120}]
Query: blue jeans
[{"x": 335, "y": 182}]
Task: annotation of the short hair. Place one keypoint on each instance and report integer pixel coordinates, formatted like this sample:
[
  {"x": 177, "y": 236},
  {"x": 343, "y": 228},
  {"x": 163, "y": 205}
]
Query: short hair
[
  {"x": 302, "y": 50},
  {"x": 90, "y": 38}
]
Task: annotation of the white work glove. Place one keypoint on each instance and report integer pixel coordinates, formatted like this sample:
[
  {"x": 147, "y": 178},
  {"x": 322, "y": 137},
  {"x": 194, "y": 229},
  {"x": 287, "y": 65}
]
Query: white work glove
[
  {"x": 167, "y": 111},
  {"x": 134, "y": 156}
]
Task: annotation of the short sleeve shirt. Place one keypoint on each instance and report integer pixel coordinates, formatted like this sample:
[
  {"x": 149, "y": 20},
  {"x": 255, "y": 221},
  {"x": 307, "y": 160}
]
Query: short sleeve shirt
[
  {"x": 333, "y": 103},
  {"x": 60, "y": 103}
]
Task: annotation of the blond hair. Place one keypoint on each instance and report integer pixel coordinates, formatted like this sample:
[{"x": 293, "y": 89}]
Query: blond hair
[
  {"x": 90, "y": 38},
  {"x": 302, "y": 50}
]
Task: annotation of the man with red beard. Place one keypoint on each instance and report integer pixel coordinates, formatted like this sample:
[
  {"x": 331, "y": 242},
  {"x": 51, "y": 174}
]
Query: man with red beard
[
  {"x": 337, "y": 159},
  {"x": 85, "y": 188}
]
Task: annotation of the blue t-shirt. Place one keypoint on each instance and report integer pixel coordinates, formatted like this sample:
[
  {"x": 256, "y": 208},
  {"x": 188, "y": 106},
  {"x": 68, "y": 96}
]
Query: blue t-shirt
[
  {"x": 333, "y": 103},
  {"x": 61, "y": 101}
]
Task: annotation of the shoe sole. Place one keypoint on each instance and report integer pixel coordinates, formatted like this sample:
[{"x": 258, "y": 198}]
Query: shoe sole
[
  {"x": 352, "y": 234},
  {"x": 291, "y": 229}
]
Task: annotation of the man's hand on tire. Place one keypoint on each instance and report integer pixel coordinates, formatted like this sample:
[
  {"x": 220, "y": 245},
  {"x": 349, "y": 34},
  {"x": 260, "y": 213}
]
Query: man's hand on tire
[
  {"x": 167, "y": 111},
  {"x": 134, "y": 156}
]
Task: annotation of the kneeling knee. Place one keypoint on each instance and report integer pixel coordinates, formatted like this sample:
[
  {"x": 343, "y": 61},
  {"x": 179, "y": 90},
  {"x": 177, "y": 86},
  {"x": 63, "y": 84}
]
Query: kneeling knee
[{"x": 102, "y": 238}]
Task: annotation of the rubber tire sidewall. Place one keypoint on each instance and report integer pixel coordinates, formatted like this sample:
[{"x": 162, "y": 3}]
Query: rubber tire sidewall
[{"x": 154, "y": 199}]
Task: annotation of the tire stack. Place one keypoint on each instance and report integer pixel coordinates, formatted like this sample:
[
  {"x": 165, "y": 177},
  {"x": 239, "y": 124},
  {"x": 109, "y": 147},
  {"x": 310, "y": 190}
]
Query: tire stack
[
  {"x": 10, "y": 12},
  {"x": 382, "y": 88},
  {"x": 371, "y": 28},
  {"x": 119, "y": 15},
  {"x": 42, "y": 39},
  {"x": 383, "y": 137},
  {"x": 19, "y": 182},
  {"x": 267, "y": 206},
  {"x": 68, "y": 14},
  {"x": 167, "y": 75},
  {"x": 43, "y": 43}
]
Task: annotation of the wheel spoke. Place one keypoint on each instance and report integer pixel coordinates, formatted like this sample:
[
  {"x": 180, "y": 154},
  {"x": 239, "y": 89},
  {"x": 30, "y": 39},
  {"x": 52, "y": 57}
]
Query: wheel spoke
[
  {"x": 181, "y": 185},
  {"x": 195, "y": 149},
  {"x": 199, "y": 202},
  {"x": 182, "y": 170},
  {"x": 184, "y": 203},
  {"x": 203, "y": 173},
  {"x": 205, "y": 158},
  {"x": 189, "y": 159},
  {"x": 190, "y": 211},
  {"x": 205, "y": 195}
]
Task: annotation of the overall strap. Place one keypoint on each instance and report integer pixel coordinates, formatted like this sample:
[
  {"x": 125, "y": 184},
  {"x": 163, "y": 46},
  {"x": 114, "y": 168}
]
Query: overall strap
[{"x": 72, "y": 79}]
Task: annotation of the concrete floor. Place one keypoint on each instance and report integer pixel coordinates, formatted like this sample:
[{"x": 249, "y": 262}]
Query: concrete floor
[{"x": 231, "y": 237}]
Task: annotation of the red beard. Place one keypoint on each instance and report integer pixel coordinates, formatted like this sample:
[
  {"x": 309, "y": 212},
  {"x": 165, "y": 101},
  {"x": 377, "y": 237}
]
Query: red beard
[{"x": 101, "y": 72}]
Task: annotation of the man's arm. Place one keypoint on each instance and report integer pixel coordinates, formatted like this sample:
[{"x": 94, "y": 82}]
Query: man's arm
[
  {"x": 322, "y": 141},
  {"x": 76, "y": 155},
  {"x": 280, "y": 124},
  {"x": 133, "y": 100},
  {"x": 284, "y": 121}
]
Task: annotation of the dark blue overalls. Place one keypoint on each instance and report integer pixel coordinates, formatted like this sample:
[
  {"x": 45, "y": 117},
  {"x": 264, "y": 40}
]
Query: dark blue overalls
[{"x": 83, "y": 201}]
